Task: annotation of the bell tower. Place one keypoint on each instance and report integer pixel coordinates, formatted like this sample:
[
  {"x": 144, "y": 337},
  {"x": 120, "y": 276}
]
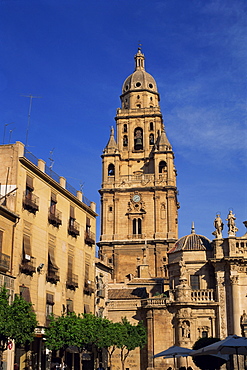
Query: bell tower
[{"x": 138, "y": 193}]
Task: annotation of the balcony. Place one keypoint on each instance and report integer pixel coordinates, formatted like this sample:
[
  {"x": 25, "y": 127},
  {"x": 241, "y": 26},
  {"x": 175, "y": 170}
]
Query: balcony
[
  {"x": 73, "y": 228},
  {"x": 52, "y": 276},
  {"x": 28, "y": 266},
  {"x": 30, "y": 202},
  {"x": 4, "y": 262},
  {"x": 88, "y": 287},
  {"x": 55, "y": 217},
  {"x": 72, "y": 282},
  {"x": 89, "y": 237}
]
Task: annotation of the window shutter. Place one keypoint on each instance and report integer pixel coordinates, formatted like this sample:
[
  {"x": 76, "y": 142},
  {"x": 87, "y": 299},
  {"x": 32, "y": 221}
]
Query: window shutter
[
  {"x": 27, "y": 245},
  {"x": 54, "y": 197},
  {"x": 72, "y": 212},
  {"x": 51, "y": 256},
  {"x": 29, "y": 182}
]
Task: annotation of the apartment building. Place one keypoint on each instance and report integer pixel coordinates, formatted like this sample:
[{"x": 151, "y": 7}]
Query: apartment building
[{"x": 47, "y": 232}]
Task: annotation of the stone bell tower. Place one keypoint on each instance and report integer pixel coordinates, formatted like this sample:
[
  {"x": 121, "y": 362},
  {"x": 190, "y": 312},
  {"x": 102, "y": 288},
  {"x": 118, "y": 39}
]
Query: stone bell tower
[{"x": 138, "y": 193}]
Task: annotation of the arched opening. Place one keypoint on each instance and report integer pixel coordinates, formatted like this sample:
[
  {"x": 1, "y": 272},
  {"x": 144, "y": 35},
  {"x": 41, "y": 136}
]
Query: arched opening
[
  {"x": 151, "y": 139},
  {"x": 125, "y": 140},
  {"x": 162, "y": 167},
  {"x": 138, "y": 138},
  {"x": 151, "y": 126},
  {"x": 125, "y": 129},
  {"x": 111, "y": 170}
]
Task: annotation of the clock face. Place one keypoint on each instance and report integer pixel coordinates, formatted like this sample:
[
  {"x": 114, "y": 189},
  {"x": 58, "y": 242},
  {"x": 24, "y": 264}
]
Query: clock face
[{"x": 136, "y": 198}]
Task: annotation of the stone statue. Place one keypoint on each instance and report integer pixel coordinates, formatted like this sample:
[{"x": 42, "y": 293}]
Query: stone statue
[
  {"x": 185, "y": 330},
  {"x": 218, "y": 224},
  {"x": 232, "y": 229},
  {"x": 182, "y": 268}
]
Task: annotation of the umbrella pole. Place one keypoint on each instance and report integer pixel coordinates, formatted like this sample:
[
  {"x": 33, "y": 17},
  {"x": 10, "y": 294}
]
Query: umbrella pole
[
  {"x": 174, "y": 359},
  {"x": 237, "y": 357},
  {"x": 186, "y": 361}
]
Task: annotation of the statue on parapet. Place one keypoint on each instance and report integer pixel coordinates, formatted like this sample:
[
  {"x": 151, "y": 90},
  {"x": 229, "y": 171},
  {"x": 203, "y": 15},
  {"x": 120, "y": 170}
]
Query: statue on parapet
[
  {"x": 232, "y": 228},
  {"x": 218, "y": 224}
]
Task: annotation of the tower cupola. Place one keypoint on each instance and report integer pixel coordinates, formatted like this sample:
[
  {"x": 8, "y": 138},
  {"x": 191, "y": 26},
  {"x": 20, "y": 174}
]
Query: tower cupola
[{"x": 139, "y": 89}]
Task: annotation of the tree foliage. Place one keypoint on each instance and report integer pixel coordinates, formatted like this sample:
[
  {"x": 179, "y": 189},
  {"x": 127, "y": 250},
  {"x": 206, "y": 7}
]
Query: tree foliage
[
  {"x": 131, "y": 337},
  {"x": 17, "y": 321},
  {"x": 88, "y": 330},
  {"x": 207, "y": 362}
]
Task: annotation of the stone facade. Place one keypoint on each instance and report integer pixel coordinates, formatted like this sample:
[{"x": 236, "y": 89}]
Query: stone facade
[
  {"x": 182, "y": 289},
  {"x": 48, "y": 233}
]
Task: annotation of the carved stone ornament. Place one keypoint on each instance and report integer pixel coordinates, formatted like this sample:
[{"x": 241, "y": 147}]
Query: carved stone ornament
[{"x": 136, "y": 204}]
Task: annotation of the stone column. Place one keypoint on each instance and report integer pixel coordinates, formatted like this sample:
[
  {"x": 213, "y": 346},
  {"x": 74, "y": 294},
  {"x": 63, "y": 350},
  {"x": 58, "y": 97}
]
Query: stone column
[
  {"x": 221, "y": 296},
  {"x": 150, "y": 341},
  {"x": 235, "y": 305}
]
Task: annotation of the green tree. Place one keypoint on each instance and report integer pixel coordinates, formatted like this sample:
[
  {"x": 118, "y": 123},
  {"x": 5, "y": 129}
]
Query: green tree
[
  {"x": 65, "y": 331},
  {"x": 130, "y": 337},
  {"x": 207, "y": 362},
  {"x": 17, "y": 321}
]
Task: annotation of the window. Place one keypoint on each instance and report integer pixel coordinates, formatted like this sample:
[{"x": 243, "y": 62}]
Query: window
[
  {"x": 137, "y": 226},
  {"x": 30, "y": 201},
  {"x": 88, "y": 286},
  {"x": 1, "y": 241},
  {"x": 151, "y": 126},
  {"x": 73, "y": 227},
  {"x": 162, "y": 167},
  {"x": 125, "y": 128},
  {"x": 28, "y": 262},
  {"x": 204, "y": 334},
  {"x": 52, "y": 270},
  {"x": 111, "y": 170},
  {"x": 25, "y": 293},
  {"x": 151, "y": 139},
  {"x": 69, "y": 306},
  {"x": 194, "y": 282},
  {"x": 138, "y": 106},
  {"x": 54, "y": 216},
  {"x": 72, "y": 279},
  {"x": 138, "y": 138},
  {"x": 125, "y": 140},
  {"x": 49, "y": 304}
]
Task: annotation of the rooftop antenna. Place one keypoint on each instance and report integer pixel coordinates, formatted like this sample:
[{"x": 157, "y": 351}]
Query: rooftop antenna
[
  {"x": 51, "y": 159},
  {"x": 10, "y": 134},
  {"x": 31, "y": 97},
  {"x": 6, "y": 124},
  {"x": 82, "y": 186}
]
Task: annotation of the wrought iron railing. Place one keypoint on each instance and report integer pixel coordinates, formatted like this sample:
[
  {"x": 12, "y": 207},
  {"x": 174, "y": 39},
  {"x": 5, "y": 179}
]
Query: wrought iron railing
[
  {"x": 55, "y": 217},
  {"x": 28, "y": 267},
  {"x": 53, "y": 275},
  {"x": 54, "y": 176},
  {"x": 73, "y": 228},
  {"x": 72, "y": 281},
  {"x": 89, "y": 237},
  {"x": 31, "y": 202}
]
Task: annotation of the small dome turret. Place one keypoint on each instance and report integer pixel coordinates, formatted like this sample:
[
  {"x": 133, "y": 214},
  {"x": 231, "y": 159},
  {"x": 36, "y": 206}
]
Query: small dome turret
[
  {"x": 139, "y": 79},
  {"x": 192, "y": 242}
]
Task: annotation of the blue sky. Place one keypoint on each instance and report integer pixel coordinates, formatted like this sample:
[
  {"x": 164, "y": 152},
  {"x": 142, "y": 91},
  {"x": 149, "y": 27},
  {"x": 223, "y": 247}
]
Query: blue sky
[{"x": 76, "y": 54}]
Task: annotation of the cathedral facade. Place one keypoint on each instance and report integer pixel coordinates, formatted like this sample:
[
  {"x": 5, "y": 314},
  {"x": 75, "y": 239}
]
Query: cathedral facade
[{"x": 181, "y": 289}]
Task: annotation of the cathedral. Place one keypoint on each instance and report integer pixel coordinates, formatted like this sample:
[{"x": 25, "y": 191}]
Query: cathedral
[{"x": 182, "y": 289}]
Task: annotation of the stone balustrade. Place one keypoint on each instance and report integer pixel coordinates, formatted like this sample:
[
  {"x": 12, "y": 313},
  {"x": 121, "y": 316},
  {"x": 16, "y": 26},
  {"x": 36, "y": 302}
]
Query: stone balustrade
[{"x": 203, "y": 295}]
